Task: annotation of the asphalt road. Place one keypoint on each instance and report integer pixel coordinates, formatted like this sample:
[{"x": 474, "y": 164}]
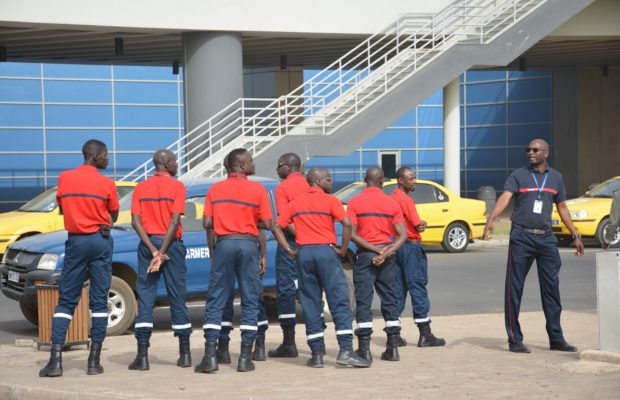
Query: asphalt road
[{"x": 468, "y": 283}]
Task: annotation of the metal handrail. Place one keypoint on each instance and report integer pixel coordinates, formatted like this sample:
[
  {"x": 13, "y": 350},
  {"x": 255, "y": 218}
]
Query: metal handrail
[{"x": 332, "y": 96}]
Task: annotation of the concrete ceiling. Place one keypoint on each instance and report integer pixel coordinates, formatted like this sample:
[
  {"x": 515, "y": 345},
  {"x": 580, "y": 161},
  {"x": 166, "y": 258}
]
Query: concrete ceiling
[{"x": 47, "y": 44}]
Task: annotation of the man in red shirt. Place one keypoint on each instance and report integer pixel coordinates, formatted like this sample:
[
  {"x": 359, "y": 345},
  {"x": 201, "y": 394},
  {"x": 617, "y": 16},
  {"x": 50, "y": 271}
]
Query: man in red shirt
[
  {"x": 156, "y": 208},
  {"x": 89, "y": 203},
  {"x": 293, "y": 184},
  {"x": 319, "y": 266},
  {"x": 235, "y": 209},
  {"x": 412, "y": 261},
  {"x": 375, "y": 217}
]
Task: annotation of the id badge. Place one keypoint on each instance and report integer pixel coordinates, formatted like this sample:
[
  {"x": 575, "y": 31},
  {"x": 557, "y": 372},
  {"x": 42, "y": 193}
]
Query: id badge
[{"x": 538, "y": 204}]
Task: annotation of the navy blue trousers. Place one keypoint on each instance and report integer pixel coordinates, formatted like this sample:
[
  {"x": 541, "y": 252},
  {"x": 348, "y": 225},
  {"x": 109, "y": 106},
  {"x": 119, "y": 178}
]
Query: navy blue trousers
[
  {"x": 367, "y": 277},
  {"x": 524, "y": 248},
  {"x": 84, "y": 255},
  {"x": 236, "y": 258},
  {"x": 413, "y": 264},
  {"x": 286, "y": 286},
  {"x": 174, "y": 272},
  {"x": 227, "y": 315},
  {"x": 318, "y": 268}
]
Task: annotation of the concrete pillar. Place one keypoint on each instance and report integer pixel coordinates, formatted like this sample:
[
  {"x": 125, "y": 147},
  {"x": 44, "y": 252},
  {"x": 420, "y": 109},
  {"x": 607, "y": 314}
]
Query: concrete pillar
[
  {"x": 452, "y": 136},
  {"x": 212, "y": 79}
]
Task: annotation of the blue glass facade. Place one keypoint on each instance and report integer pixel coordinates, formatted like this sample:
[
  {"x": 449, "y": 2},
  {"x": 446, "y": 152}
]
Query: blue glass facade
[
  {"x": 501, "y": 112},
  {"x": 47, "y": 111}
]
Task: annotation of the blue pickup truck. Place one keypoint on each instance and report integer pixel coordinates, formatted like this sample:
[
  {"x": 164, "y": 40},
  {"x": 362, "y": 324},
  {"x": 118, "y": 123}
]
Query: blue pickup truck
[{"x": 39, "y": 260}]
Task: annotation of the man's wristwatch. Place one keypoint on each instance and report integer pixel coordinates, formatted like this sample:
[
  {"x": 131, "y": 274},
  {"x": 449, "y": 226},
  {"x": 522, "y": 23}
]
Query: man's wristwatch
[{"x": 576, "y": 236}]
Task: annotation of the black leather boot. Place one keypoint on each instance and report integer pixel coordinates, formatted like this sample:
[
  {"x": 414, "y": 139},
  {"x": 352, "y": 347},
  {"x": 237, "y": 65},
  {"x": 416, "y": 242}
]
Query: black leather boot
[
  {"x": 288, "y": 348},
  {"x": 209, "y": 360},
  {"x": 363, "y": 349},
  {"x": 316, "y": 360},
  {"x": 245, "y": 358},
  {"x": 93, "y": 366},
  {"x": 185, "y": 354},
  {"x": 347, "y": 356},
  {"x": 141, "y": 363},
  {"x": 427, "y": 339},
  {"x": 259, "y": 348},
  {"x": 391, "y": 349},
  {"x": 223, "y": 355},
  {"x": 54, "y": 365}
]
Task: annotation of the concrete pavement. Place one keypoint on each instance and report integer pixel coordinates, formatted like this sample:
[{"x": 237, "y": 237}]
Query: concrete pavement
[{"x": 474, "y": 364}]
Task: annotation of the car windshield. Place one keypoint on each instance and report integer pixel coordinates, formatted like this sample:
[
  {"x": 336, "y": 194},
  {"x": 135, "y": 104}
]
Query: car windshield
[
  {"x": 45, "y": 202},
  {"x": 346, "y": 193},
  {"x": 605, "y": 189}
]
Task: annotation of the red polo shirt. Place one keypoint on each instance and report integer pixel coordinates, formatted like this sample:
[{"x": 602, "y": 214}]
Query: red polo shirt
[
  {"x": 294, "y": 185},
  {"x": 410, "y": 213},
  {"x": 375, "y": 214},
  {"x": 156, "y": 199},
  {"x": 87, "y": 198},
  {"x": 236, "y": 205},
  {"x": 313, "y": 214}
]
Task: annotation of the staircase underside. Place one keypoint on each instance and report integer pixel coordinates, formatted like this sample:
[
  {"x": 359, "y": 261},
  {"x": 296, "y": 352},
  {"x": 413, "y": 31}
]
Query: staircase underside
[{"x": 413, "y": 90}]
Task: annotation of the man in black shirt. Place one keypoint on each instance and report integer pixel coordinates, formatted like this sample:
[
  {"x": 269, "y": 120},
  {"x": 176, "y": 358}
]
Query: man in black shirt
[{"x": 535, "y": 189}]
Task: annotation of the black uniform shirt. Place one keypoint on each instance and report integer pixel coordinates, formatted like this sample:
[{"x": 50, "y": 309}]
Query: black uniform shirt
[{"x": 522, "y": 184}]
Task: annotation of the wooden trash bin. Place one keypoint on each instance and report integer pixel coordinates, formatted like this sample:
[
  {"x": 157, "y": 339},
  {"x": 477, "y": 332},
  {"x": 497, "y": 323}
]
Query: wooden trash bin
[{"x": 77, "y": 334}]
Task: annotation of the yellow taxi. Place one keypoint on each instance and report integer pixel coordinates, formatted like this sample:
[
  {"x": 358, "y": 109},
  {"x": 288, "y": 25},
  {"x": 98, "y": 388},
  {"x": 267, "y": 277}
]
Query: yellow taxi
[
  {"x": 41, "y": 214},
  {"x": 452, "y": 221},
  {"x": 590, "y": 214}
]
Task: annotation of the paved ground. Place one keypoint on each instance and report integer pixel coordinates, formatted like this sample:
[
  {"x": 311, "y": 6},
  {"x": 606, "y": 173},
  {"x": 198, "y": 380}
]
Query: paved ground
[{"x": 474, "y": 365}]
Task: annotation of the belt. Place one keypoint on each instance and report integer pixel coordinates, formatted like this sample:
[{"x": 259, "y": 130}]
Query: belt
[
  {"x": 236, "y": 236},
  {"x": 162, "y": 237},
  {"x": 82, "y": 234},
  {"x": 532, "y": 230},
  {"x": 415, "y": 241}
]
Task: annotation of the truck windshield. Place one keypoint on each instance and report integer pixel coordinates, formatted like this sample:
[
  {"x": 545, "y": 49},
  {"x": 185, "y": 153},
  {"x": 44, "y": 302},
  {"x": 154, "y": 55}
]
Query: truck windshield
[{"x": 45, "y": 202}]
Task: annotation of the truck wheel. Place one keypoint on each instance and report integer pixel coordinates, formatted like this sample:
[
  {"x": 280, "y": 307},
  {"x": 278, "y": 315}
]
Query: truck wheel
[
  {"x": 30, "y": 311},
  {"x": 122, "y": 307}
]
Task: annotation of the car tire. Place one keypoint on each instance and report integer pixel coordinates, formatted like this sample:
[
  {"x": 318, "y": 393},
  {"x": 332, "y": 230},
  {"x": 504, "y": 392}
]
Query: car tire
[
  {"x": 122, "y": 307},
  {"x": 455, "y": 238},
  {"x": 600, "y": 233},
  {"x": 30, "y": 312}
]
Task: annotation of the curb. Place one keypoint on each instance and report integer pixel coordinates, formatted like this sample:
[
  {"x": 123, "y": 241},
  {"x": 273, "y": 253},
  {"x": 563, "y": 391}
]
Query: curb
[
  {"x": 16, "y": 392},
  {"x": 601, "y": 356}
]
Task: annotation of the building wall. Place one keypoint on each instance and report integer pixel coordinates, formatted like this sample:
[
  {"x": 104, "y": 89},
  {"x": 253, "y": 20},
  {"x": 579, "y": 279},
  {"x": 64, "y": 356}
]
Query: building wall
[{"x": 501, "y": 112}]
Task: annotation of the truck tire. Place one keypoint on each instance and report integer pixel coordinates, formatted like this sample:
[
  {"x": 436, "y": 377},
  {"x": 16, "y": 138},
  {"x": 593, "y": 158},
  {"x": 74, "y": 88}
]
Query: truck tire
[
  {"x": 122, "y": 307},
  {"x": 30, "y": 311}
]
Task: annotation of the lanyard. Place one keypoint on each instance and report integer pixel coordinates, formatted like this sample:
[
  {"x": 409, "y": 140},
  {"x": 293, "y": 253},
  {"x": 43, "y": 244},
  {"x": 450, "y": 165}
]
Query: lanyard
[{"x": 540, "y": 188}]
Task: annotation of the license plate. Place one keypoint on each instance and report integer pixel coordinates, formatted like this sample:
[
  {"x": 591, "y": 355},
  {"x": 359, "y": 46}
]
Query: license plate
[
  {"x": 555, "y": 222},
  {"x": 14, "y": 276}
]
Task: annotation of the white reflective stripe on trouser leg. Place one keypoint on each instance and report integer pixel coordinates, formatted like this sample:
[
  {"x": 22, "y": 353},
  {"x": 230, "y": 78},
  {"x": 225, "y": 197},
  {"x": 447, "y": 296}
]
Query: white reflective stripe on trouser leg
[
  {"x": 364, "y": 324},
  {"x": 285, "y": 316},
  {"x": 345, "y": 332},
  {"x": 184, "y": 326},
  {"x": 212, "y": 326},
  {"x": 265, "y": 322},
  {"x": 100, "y": 315},
  {"x": 315, "y": 335},
  {"x": 389, "y": 324},
  {"x": 248, "y": 327},
  {"x": 143, "y": 325},
  {"x": 62, "y": 315},
  {"x": 226, "y": 323},
  {"x": 421, "y": 320}
]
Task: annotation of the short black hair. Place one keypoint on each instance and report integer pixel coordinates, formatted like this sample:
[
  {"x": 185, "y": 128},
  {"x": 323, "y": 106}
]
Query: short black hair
[
  {"x": 233, "y": 157},
  {"x": 400, "y": 173},
  {"x": 92, "y": 148}
]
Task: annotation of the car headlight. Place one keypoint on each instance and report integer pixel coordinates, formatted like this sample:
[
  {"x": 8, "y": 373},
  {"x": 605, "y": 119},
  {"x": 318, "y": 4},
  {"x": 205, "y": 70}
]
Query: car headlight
[
  {"x": 48, "y": 262},
  {"x": 578, "y": 214}
]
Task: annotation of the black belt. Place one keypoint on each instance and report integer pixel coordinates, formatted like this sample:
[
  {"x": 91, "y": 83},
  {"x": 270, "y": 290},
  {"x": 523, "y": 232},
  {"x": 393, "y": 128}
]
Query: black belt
[
  {"x": 414, "y": 241},
  {"x": 535, "y": 231},
  {"x": 162, "y": 237},
  {"x": 236, "y": 236},
  {"x": 82, "y": 234}
]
